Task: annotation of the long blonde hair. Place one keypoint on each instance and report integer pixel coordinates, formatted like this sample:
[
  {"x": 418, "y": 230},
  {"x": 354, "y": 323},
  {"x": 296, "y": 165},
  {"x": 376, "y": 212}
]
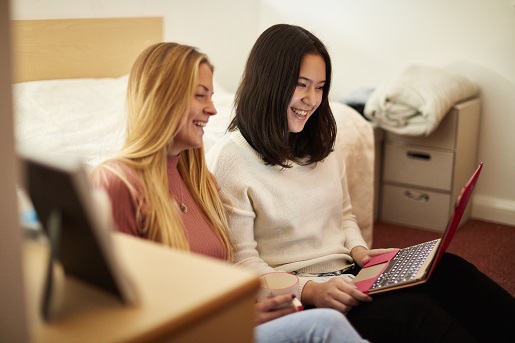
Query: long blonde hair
[{"x": 161, "y": 85}]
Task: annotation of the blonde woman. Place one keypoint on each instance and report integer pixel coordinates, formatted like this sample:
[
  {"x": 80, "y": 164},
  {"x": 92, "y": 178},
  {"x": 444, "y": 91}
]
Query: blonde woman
[{"x": 161, "y": 189}]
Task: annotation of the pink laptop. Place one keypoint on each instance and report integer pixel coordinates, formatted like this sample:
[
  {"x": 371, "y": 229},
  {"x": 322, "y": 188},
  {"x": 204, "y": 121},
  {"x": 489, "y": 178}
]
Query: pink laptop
[{"x": 413, "y": 265}]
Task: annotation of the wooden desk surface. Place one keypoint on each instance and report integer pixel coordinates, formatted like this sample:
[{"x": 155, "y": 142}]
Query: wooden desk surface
[{"x": 182, "y": 297}]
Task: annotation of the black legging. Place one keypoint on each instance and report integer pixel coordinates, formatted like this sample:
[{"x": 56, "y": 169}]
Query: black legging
[{"x": 458, "y": 304}]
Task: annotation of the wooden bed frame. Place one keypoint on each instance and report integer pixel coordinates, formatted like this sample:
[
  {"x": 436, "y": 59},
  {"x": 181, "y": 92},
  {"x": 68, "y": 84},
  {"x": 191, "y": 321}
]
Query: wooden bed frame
[{"x": 80, "y": 48}]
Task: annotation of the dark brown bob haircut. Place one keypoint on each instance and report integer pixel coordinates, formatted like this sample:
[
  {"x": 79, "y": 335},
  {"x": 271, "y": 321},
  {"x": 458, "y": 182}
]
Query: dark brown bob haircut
[{"x": 264, "y": 94}]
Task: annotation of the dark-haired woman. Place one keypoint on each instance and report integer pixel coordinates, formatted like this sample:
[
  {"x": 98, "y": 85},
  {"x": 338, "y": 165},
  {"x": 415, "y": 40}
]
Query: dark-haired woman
[{"x": 289, "y": 208}]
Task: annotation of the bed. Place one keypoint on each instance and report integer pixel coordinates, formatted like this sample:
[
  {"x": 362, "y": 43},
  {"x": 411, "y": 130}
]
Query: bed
[{"x": 69, "y": 97}]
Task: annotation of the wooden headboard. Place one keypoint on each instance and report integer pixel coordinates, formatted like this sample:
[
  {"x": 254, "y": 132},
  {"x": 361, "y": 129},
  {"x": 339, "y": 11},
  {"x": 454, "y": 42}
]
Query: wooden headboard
[{"x": 80, "y": 48}]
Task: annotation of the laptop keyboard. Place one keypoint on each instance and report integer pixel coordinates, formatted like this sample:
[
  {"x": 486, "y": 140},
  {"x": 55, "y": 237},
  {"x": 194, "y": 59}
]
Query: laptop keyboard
[{"x": 405, "y": 265}]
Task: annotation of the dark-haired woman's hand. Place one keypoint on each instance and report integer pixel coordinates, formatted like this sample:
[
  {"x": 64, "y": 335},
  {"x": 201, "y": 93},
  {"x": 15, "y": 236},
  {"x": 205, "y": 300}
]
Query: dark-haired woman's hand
[
  {"x": 335, "y": 293},
  {"x": 362, "y": 255}
]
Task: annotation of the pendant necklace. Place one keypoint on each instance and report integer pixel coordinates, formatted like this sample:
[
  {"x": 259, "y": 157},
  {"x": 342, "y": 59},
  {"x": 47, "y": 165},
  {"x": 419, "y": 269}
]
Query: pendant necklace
[{"x": 182, "y": 205}]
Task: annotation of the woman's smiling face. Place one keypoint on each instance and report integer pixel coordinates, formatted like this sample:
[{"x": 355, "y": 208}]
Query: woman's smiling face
[
  {"x": 200, "y": 109},
  {"x": 308, "y": 92}
]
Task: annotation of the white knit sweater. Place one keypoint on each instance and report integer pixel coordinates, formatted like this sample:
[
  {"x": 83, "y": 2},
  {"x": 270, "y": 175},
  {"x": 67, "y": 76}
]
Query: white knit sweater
[{"x": 288, "y": 219}]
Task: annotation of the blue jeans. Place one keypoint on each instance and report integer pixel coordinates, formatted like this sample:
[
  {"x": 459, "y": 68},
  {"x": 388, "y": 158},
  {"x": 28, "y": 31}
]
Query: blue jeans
[{"x": 308, "y": 326}]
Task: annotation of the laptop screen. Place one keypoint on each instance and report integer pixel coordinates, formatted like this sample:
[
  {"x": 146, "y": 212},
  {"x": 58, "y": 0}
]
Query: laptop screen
[{"x": 454, "y": 222}]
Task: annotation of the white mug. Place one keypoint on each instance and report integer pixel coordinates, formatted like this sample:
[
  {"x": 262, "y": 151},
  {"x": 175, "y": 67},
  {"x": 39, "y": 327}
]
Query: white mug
[{"x": 277, "y": 283}]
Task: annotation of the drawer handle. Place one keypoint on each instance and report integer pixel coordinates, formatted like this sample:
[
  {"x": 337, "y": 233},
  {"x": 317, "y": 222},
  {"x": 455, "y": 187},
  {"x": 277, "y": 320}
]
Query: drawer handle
[
  {"x": 417, "y": 196},
  {"x": 419, "y": 155}
]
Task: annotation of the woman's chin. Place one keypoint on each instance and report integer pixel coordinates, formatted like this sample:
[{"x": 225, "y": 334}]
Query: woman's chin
[{"x": 296, "y": 129}]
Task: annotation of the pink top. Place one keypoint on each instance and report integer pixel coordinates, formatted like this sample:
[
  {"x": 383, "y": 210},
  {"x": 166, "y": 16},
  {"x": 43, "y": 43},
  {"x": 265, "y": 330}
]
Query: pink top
[{"x": 199, "y": 232}]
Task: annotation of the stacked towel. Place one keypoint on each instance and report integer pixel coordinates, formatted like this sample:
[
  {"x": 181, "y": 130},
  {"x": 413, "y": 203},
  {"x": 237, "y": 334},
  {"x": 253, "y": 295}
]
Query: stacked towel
[{"x": 417, "y": 100}]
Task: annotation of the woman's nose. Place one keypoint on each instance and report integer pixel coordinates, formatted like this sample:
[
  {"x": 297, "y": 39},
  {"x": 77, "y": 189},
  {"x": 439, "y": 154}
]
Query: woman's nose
[
  {"x": 309, "y": 98},
  {"x": 211, "y": 109}
]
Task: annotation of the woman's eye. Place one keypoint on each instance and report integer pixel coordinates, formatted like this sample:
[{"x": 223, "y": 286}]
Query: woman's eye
[
  {"x": 201, "y": 96},
  {"x": 300, "y": 84}
]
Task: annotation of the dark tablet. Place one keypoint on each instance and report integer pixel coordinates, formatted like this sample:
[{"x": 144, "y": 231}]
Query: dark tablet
[{"x": 62, "y": 197}]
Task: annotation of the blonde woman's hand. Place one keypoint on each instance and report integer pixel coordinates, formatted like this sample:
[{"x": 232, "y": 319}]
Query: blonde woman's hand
[
  {"x": 335, "y": 293},
  {"x": 267, "y": 310}
]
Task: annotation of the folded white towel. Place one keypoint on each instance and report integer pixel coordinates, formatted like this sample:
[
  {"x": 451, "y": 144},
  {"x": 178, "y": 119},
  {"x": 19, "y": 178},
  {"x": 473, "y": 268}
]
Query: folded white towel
[{"x": 417, "y": 100}]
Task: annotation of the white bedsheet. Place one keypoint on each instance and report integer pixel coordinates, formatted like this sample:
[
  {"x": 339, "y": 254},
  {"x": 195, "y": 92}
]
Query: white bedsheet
[
  {"x": 86, "y": 118},
  {"x": 356, "y": 145}
]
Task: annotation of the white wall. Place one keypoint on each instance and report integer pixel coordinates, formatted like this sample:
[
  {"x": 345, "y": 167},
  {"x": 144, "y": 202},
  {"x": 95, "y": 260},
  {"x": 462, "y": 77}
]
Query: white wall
[{"x": 370, "y": 42}]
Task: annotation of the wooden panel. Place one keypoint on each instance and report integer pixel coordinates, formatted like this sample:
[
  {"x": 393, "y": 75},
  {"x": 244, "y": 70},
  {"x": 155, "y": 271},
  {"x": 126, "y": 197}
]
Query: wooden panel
[
  {"x": 77, "y": 48},
  {"x": 176, "y": 303}
]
